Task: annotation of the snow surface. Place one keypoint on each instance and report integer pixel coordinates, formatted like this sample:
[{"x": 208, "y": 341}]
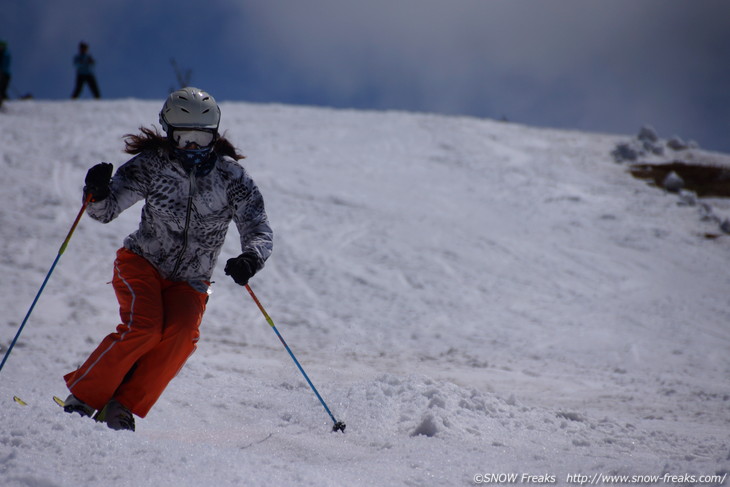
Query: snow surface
[{"x": 470, "y": 296}]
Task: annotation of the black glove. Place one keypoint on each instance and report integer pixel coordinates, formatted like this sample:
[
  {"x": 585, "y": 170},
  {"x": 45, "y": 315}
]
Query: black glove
[
  {"x": 97, "y": 181},
  {"x": 242, "y": 268}
]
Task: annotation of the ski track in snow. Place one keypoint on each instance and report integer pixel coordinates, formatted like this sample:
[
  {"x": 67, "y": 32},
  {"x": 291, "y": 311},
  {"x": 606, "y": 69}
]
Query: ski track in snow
[{"x": 469, "y": 296}]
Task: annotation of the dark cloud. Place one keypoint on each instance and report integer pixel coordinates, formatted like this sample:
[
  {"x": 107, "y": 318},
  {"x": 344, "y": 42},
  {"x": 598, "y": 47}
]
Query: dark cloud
[
  {"x": 599, "y": 66},
  {"x": 609, "y": 66}
]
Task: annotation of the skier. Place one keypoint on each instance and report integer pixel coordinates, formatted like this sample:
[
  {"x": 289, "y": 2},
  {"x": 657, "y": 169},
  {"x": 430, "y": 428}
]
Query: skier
[
  {"x": 4, "y": 71},
  {"x": 193, "y": 188},
  {"x": 85, "y": 72}
]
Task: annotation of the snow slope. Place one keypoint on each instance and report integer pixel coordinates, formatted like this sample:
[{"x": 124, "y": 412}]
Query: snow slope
[{"x": 471, "y": 297}]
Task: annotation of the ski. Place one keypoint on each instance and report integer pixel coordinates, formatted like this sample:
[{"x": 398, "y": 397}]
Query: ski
[
  {"x": 56, "y": 399},
  {"x": 99, "y": 416}
]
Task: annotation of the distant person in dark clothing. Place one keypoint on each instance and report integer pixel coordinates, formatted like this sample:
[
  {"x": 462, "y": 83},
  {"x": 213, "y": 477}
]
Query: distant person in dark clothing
[
  {"x": 4, "y": 71},
  {"x": 85, "y": 71}
]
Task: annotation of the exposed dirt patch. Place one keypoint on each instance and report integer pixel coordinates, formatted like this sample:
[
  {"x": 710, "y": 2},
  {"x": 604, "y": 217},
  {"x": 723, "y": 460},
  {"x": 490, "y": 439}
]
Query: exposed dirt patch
[{"x": 705, "y": 181}]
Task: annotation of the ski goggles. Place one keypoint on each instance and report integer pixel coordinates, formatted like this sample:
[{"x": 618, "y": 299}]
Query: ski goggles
[{"x": 193, "y": 138}]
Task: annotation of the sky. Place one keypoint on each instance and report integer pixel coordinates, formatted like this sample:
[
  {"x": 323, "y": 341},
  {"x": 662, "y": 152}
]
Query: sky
[{"x": 602, "y": 66}]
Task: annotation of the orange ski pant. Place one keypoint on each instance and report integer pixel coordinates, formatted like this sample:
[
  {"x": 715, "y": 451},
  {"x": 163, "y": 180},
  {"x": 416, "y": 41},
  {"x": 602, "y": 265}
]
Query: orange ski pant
[{"x": 159, "y": 331}]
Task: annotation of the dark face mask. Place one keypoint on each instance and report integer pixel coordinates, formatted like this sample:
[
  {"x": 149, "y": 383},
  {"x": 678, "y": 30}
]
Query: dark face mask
[{"x": 201, "y": 161}]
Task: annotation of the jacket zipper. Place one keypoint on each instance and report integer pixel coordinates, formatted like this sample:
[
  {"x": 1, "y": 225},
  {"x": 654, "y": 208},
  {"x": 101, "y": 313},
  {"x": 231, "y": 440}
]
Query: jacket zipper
[{"x": 191, "y": 190}]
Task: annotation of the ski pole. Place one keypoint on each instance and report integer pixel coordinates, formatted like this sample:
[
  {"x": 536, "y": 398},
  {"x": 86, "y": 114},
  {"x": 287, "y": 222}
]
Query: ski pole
[
  {"x": 338, "y": 425},
  {"x": 45, "y": 281}
]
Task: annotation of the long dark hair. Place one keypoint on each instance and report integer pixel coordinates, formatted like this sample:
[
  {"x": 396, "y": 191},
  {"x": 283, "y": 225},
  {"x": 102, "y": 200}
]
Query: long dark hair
[{"x": 152, "y": 140}]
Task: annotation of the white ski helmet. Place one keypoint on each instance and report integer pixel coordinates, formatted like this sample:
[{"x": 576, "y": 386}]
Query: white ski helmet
[{"x": 190, "y": 108}]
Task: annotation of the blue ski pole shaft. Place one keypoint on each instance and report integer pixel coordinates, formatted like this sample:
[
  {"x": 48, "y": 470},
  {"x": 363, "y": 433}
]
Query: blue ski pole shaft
[
  {"x": 338, "y": 425},
  {"x": 61, "y": 250}
]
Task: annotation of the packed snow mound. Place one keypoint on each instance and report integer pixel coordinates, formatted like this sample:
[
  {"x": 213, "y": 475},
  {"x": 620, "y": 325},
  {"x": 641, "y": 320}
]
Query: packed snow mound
[
  {"x": 421, "y": 406},
  {"x": 469, "y": 296}
]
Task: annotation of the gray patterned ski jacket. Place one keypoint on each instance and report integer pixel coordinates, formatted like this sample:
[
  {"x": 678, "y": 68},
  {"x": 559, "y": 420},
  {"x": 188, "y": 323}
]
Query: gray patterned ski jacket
[{"x": 186, "y": 216}]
